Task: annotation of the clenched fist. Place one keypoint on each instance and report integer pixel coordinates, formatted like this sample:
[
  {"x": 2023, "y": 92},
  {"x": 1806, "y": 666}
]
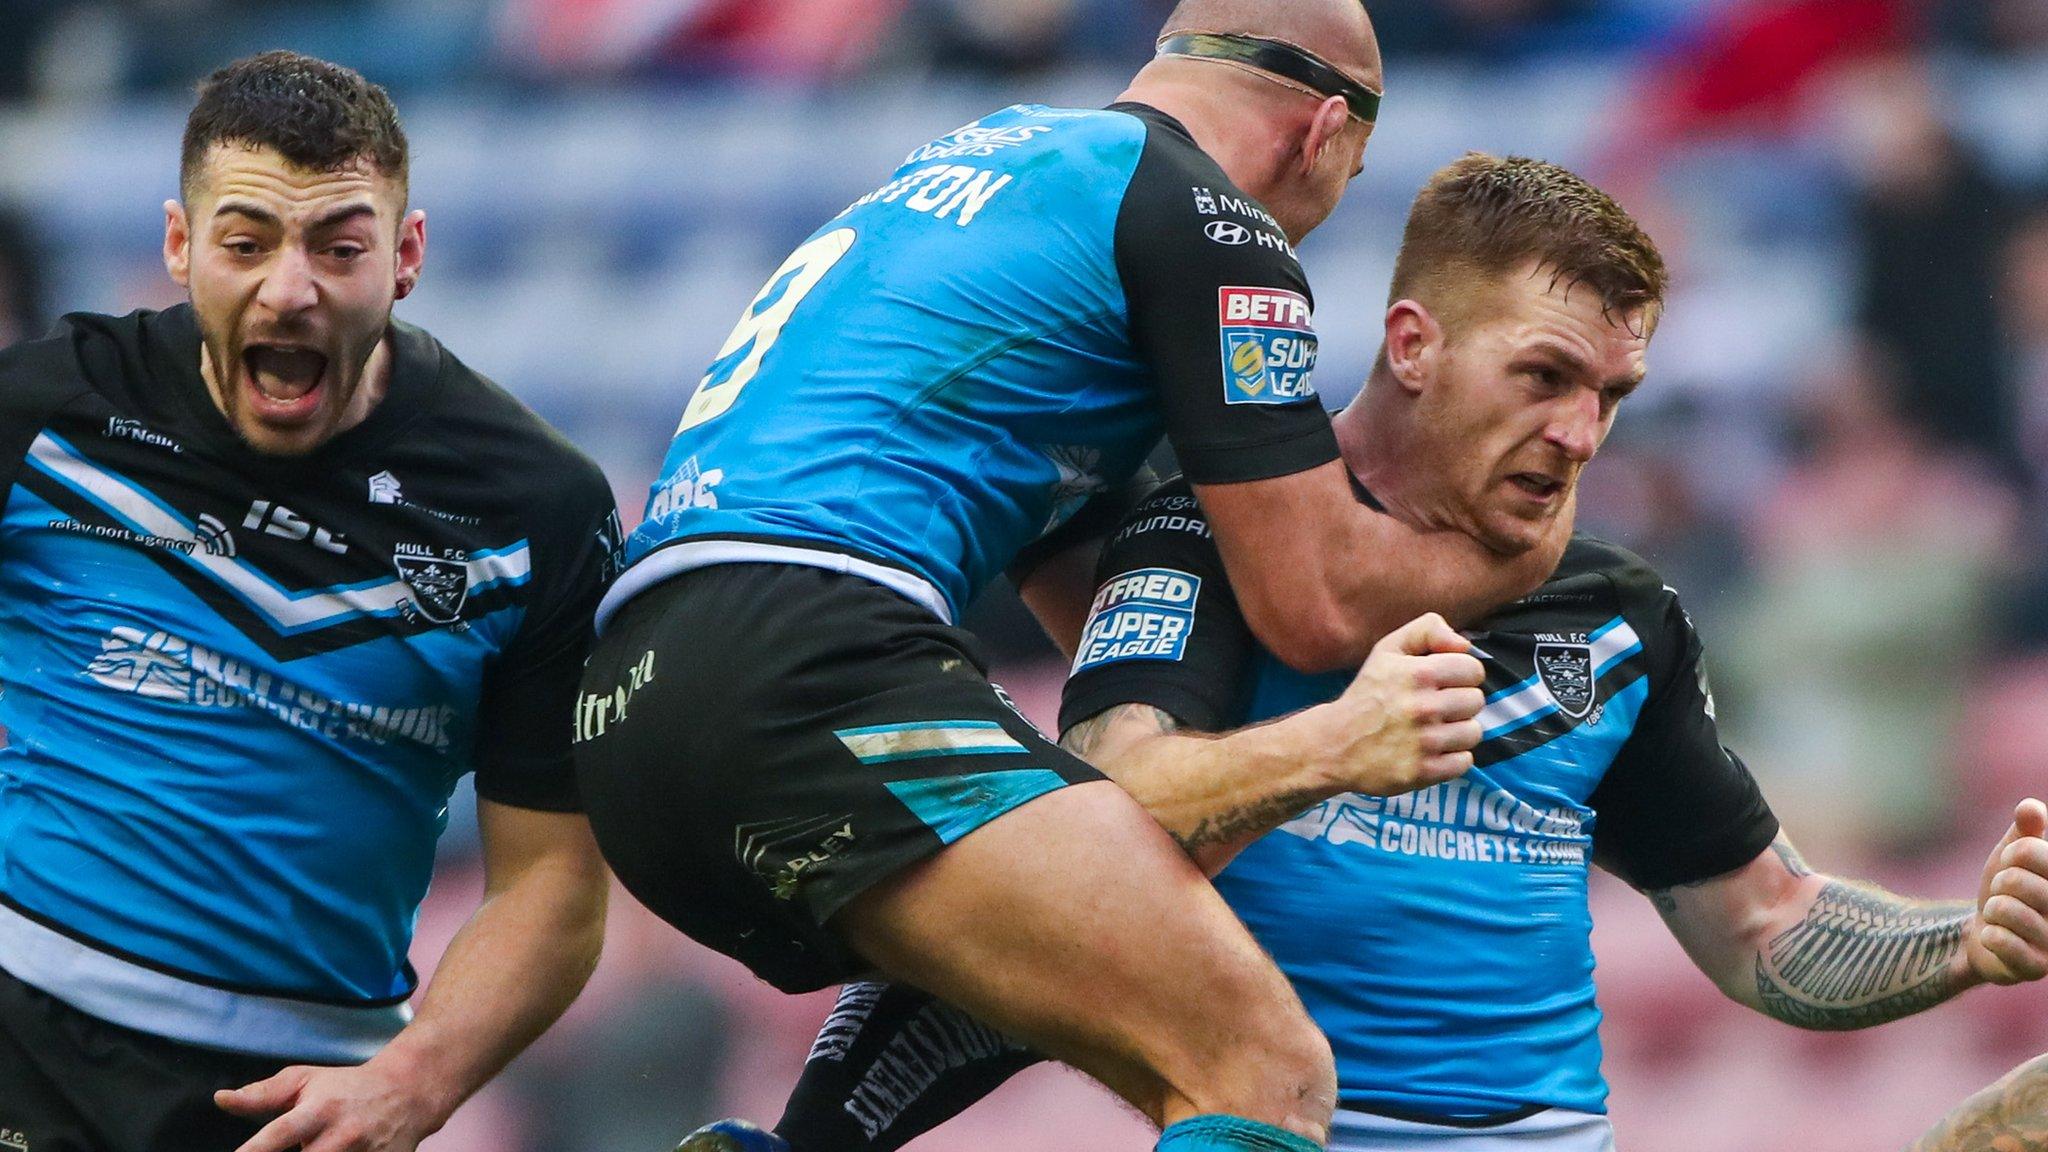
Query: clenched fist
[{"x": 1408, "y": 719}]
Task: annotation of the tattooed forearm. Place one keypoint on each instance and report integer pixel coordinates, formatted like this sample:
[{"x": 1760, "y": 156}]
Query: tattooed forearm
[
  {"x": 2009, "y": 1116},
  {"x": 1085, "y": 737},
  {"x": 1250, "y": 821},
  {"x": 1861, "y": 957}
]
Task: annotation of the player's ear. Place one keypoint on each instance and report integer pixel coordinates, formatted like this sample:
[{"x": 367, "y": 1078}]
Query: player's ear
[
  {"x": 1415, "y": 342},
  {"x": 412, "y": 252},
  {"x": 1323, "y": 128},
  {"x": 177, "y": 243}
]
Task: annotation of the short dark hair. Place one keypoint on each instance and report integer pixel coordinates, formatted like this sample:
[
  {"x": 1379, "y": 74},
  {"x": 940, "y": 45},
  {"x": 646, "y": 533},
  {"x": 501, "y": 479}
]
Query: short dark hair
[
  {"x": 319, "y": 116},
  {"x": 1480, "y": 217}
]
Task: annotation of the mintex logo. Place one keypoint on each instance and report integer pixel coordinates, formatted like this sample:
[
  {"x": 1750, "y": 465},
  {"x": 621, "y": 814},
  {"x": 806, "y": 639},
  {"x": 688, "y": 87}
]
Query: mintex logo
[
  {"x": 1141, "y": 615},
  {"x": 1269, "y": 345}
]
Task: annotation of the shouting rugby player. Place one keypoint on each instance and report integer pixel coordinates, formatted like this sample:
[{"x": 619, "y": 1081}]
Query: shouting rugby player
[{"x": 276, "y": 571}]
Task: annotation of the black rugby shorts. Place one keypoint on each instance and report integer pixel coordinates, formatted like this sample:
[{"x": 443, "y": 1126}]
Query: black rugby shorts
[
  {"x": 70, "y": 1082},
  {"x": 757, "y": 744}
]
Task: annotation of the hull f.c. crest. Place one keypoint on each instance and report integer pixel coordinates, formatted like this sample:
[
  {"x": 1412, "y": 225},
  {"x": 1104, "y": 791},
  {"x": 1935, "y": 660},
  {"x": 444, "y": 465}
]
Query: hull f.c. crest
[
  {"x": 1567, "y": 670},
  {"x": 440, "y": 584}
]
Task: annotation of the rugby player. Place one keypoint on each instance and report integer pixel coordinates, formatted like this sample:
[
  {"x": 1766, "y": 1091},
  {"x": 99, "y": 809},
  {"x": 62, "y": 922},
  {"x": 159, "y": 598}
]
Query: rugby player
[
  {"x": 1441, "y": 938},
  {"x": 792, "y": 754},
  {"x": 2009, "y": 1116},
  {"x": 276, "y": 570}
]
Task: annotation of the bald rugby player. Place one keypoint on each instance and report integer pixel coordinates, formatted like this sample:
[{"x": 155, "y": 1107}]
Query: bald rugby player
[{"x": 788, "y": 748}]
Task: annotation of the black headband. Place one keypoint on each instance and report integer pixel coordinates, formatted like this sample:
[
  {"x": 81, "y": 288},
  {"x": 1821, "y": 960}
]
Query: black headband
[{"x": 1281, "y": 59}]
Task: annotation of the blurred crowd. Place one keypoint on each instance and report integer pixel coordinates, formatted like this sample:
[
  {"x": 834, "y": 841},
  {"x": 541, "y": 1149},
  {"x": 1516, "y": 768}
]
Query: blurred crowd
[{"x": 1841, "y": 460}]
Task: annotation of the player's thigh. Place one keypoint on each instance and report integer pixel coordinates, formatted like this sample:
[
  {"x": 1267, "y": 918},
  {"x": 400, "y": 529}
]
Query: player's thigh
[
  {"x": 759, "y": 744},
  {"x": 1076, "y": 924}
]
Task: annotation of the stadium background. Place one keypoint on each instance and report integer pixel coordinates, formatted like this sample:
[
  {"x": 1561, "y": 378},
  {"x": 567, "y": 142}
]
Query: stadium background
[{"x": 1839, "y": 457}]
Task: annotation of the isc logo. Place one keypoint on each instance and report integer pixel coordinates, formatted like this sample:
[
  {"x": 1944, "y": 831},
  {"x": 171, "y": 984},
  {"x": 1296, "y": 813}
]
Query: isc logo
[{"x": 278, "y": 520}]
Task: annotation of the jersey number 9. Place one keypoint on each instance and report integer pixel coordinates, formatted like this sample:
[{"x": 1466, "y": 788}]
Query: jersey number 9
[{"x": 741, "y": 356}]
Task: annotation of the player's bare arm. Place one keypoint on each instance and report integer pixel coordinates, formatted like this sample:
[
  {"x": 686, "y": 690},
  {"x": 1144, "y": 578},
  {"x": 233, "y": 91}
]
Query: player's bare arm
[
  {"x": 2009, "y": 1116},
  {"x": 1293, "y": 544},
  {"x": 1405, "y": 722},
  {"x": 1825, "y": 953},
  {"x": 512, "y": 969}
]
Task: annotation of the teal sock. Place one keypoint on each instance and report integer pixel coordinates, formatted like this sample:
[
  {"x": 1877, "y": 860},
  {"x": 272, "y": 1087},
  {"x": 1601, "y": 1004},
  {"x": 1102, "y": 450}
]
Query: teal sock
[{"x": 1217, "y": 1133}]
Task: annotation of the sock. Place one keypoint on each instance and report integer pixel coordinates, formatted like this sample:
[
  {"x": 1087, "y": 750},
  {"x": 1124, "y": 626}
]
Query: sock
[
  {"x": 1219, "y": 1133},
  {"x": 890, "y": 1064}
]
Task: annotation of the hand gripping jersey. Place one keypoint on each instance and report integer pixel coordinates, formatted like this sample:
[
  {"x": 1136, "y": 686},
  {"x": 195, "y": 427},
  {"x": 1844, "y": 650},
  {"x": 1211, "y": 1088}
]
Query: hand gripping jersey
[
  {"x": 951, "y": 366},
  {"x": 1441, "y": 938},
  {"x": 238, "y": 689}
]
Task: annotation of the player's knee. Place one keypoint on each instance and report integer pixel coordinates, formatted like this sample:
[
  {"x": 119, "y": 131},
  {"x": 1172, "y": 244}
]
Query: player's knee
[{"x": 1269, "y": 1063}]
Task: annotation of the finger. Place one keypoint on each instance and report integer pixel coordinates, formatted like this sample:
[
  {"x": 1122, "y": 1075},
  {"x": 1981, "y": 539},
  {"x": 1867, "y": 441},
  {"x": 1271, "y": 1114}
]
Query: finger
[
  {"x": 1450, "y": 670},
  {"x": 2030, "y": 818},
  {"x": 2029, "y": 853},
  {"x": 1453, "y": 704},
  {"x": 264, "y": 1097},
  {"x": 1457, "y": 736},
  {"x": 2029, "y": 888},
  {"x": 2023, "y": 962},
  {"x": 2027, "y": 924},
  {"x": 1423, "y": 635},
  {"x": 1445, "y": 766},
  {"x": 287, "y": 1131}
]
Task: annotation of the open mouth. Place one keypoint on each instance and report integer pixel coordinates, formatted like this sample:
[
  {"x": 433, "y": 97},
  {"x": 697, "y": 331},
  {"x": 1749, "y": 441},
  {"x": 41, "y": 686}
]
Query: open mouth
[
  {"x": 1537, "y": 485},
  {"x": 284, "y": 379}
]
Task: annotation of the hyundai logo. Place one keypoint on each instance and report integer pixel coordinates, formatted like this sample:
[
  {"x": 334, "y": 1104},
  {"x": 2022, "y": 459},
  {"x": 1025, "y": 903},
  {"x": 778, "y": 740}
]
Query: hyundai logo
[{"x": 1227, "y": 232}]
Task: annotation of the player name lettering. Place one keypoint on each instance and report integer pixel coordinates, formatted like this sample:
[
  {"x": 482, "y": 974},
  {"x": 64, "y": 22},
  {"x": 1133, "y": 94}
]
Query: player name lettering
[{"x": 942, "y": 191}]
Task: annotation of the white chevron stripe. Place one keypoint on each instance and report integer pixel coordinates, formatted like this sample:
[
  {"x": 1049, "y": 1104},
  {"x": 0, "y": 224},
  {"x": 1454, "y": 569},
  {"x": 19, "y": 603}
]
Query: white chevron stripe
[
  {"x": 1532, "y": 697},
  {"x": 290, "y": 611}
]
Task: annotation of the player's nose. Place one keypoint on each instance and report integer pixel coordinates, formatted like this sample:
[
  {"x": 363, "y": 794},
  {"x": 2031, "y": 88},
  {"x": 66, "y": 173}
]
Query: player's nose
[
  {"x": 1575, "y": 428},
  {"x": 288, "y": 286}
]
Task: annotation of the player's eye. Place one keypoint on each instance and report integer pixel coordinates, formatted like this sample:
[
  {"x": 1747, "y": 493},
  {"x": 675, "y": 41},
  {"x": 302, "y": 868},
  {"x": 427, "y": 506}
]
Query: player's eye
[
  {"x": 345, "y": 252},
  {"x": 242, "y": 247}
]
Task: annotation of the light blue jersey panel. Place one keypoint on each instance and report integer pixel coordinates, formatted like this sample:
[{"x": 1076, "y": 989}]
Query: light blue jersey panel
[
  {"x": 287, "y": 842},
  {"x": 939, "y": 374},
  {"x": 1441, "y": 938}
]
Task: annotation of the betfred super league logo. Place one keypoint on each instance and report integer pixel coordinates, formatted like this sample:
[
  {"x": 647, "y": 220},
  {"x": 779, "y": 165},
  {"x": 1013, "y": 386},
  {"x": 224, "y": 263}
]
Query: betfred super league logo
[
  {"x": 1567, "y": 670},
  {"x": 438, "y": 578}
]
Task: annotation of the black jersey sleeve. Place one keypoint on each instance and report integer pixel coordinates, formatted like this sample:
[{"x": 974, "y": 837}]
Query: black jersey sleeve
[
  {"x": 1220, "y": 310},
  {"x": 525, "y": 716},
  {"x": 1164, "y": 628},
  {"x": 1676, "y": 806},
  {"x": 37, "y": 378}
]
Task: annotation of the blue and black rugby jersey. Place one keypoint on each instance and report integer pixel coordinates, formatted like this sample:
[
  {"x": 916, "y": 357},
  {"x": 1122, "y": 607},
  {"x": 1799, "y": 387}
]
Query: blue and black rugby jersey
[
  {"x": 238, "y": 689},
  {"x": 1441, "y": 938},
  {"x": 955, "y": 363}
]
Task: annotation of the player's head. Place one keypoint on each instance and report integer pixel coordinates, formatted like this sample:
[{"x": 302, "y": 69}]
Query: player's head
[
  {"x": 1290, "y": 87},
  {"x": 1521, "y": 311},
  {"x": 292, "y": 237}
]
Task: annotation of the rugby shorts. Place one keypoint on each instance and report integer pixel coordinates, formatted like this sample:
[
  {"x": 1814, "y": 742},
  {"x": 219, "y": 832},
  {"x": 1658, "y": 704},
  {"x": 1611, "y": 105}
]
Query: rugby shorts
[
  {"x": 758, "y": 744},
  {"x": 70, "y": 1082}
]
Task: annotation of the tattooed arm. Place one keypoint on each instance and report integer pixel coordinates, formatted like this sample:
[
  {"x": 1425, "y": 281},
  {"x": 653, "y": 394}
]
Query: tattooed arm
[
  {"x": 1824, "y": 953},
  {"x": 1405, "y": 722},
  {"x": 1214, "y": 794},
  {"x": 2009, "y": 1116}
]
